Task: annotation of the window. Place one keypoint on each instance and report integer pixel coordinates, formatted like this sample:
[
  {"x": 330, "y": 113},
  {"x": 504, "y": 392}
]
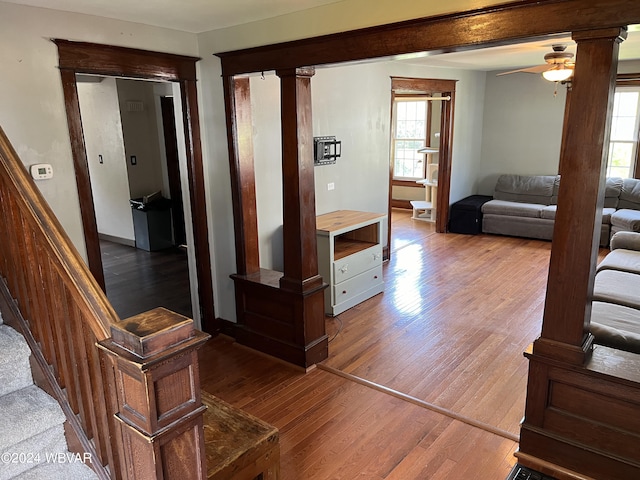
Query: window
[
  {"x": 623, "y": 145},
  {"x": 409, "y": 121}
]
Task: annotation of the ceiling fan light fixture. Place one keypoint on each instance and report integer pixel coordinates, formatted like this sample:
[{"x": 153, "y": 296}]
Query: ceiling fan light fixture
[{"x": 557, "y": 74}]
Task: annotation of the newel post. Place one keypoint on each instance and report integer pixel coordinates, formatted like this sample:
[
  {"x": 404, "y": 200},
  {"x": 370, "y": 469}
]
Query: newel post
[{"x": 155, "y": 362}]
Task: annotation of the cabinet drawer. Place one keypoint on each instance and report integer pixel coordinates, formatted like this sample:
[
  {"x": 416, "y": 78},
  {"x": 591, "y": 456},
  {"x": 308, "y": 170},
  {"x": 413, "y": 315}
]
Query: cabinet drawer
[
  {"x": 349, "y": 267},
  {"x": 357, "y": 285}
]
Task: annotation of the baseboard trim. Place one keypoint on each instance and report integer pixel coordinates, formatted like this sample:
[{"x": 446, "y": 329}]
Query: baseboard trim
[
  {"x": 405, "y": 204},
  {"x": 114, "y": 239},
  {"x": 227, "y": 327}
]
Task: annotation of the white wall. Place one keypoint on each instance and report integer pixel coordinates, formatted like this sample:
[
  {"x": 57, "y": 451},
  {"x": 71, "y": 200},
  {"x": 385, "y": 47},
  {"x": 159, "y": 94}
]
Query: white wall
[
  {"x": 522, "y": 127},
  {"x": 354, "y": 103},
  {"x": 103, "y": 136},
  {"x": 265, "y": 109},
  {"x": 630, "y": 66},
  {"x": 32, "y": 110}
]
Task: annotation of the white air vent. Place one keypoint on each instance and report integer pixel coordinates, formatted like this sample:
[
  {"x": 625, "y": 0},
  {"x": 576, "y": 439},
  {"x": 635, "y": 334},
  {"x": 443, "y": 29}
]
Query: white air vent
[{"x": 135, "y": 106}]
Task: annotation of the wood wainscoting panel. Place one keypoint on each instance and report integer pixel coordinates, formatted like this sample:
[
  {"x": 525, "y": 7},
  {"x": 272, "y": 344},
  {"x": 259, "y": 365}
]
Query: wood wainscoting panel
[
  {"x": 285, "y": 324},
  {"x": 584, "y": 418}
]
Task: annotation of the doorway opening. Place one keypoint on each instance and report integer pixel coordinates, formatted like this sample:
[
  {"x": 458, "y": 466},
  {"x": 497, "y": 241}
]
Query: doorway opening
[
  {"x": 421, "y": 143},
  {"x": 178, "y": 71},
  {"x": 132, "y": 155}
]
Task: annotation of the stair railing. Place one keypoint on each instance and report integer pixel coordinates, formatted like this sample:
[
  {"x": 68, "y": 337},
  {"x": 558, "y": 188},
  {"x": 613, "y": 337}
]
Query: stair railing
[{"x": 130, "y": 388}]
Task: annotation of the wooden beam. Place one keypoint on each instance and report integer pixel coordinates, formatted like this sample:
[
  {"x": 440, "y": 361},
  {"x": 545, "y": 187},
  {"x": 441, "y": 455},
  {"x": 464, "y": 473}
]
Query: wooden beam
[
  {"x": 498, "y": 25},
  {"x": 97, "y": 59}
]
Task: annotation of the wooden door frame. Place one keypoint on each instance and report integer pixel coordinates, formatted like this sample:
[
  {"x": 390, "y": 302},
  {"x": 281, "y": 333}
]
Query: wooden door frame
[
  {"x": 173, "y": 168},
  {"x": 446, "y": 88},
  {"x": 107, "y": 60}
]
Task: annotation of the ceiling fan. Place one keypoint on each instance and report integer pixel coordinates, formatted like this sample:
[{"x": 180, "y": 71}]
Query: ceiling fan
[{"x": 558, "y": 67}]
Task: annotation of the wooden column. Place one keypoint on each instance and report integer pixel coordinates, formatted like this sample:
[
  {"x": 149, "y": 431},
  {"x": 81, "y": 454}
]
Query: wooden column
[
  {"x": 580, "y": 200},
  {"x": 240, "y": 136},
  {"x": 580, "y": 399},
  {"x": 155, "y": 362},
  {"x": 279, "y": 313},
  {"x": 299, "y": 228}
]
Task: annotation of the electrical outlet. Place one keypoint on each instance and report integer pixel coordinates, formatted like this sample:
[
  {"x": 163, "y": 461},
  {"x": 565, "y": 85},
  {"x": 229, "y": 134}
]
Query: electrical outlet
[
  {"x": 331, "y": 186},
  {"x": 100, "y": 159}
]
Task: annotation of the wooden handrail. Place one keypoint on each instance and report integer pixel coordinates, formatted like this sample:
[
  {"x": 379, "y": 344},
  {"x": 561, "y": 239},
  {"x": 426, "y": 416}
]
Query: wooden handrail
[{"x": 64, "y": 315}]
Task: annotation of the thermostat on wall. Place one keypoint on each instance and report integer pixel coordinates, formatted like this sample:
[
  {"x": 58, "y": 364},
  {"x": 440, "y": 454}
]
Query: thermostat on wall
[{"x": 41, "y": 171}]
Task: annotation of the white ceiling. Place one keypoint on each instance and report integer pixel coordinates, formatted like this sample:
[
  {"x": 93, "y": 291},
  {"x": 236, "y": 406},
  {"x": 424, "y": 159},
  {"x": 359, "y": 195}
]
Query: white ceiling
[
  {"x": 194, "y": 16},
  {"x": 203, "y": 15}
]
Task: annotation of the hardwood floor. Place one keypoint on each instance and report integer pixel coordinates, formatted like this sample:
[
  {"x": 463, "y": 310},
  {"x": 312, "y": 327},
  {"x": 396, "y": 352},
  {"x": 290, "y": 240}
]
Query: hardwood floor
[
  {"x": 425, "y": 381},
  {"x": 137, "y": 280}
]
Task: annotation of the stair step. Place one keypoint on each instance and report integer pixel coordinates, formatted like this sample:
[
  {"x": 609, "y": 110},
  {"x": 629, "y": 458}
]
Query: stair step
[
  {"x": 15, "y": 371},
  {"x": 32, "y": 452},
  {"x": 59, "y": 471},
  {"x": 26, "y": 413}
]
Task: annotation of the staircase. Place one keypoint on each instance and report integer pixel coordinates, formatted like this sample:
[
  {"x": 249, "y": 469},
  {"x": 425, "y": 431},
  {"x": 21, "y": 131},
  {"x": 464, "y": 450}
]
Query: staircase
[{"x": 32, "y": 441}]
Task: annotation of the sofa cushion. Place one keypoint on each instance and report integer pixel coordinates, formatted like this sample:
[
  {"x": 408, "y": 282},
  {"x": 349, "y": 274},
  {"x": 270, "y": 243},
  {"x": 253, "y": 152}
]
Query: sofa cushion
[
  {"x": 614, "y": 286},
  {"x": 616, "y": 326},
  {"x": 630, "y": 194},
  {"x": 549, "y": 212},
  {"x": 627, "y": 241},
  {"x": 607, "y": 212},
  {"x": 526, "y": 188},
  {"x": 512, "y": 209},
  {"x": 626, "y": 219},
  {"x": 621, "y": 259},
  {"x": 612, "y": 192}
]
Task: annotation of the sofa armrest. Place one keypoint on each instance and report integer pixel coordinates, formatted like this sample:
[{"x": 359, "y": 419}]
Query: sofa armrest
[{"x": 626, "y": 240}]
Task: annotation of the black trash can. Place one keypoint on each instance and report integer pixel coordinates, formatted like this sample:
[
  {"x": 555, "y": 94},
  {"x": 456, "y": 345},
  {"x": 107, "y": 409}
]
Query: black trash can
[
  {"x": 465, "y": 216},
  {"x": 152, "y": 224}
]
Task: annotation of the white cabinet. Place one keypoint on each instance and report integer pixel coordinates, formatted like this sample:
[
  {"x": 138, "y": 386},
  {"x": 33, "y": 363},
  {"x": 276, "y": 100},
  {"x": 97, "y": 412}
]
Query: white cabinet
[{"x": 349, "y": 257}]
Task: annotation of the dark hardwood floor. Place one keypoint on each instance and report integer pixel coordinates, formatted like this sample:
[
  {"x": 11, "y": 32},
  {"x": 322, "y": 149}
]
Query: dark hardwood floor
[
  {"x": 424, "y": 381},
  {"x": 137, "y": 280}
]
